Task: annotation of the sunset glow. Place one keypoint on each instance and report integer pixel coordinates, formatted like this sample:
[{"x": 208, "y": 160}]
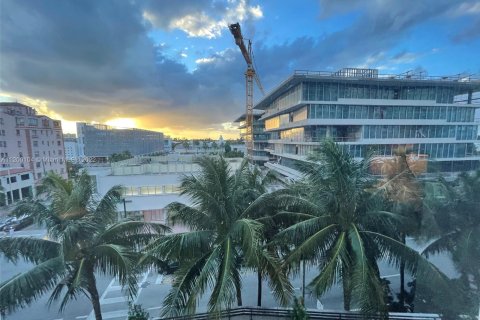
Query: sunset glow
[{"x": 122, "y": 123}]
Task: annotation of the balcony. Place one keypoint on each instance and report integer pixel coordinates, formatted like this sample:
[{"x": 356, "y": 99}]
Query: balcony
[
  {"x": 314, "y": 140},
  {"x": 255, "y": 313}
]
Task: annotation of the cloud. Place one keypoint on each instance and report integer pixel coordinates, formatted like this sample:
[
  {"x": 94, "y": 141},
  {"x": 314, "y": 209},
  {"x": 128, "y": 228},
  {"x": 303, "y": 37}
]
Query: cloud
[
  {"x": 200, "y": 18},
  {"x": 85, "y": 63},
  {"x": 205, "y": 60}
]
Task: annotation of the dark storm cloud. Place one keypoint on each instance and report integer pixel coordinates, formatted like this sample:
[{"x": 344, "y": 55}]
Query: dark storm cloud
[{"x": 86, "y": 56}]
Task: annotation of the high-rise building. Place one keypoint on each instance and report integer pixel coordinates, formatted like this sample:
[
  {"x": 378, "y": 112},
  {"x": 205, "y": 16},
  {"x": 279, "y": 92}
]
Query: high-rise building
[
  {"x": 260, "y": 155},
  {"x": 367, "y": 112},
  {"x": 101, "y": 141},
  {"x": 30, "y": 141}
]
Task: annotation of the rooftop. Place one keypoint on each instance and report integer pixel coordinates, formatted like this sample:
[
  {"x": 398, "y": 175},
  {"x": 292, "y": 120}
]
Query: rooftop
[
  {"x": 466, "y": 82},
  {"x": 6, "y": 172}
]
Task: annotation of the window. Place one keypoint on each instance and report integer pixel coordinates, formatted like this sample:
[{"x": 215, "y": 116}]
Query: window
[
  {"x": 12, "y": 180},
  {"x": 33, "y": 122},
  {"x": 59, "y": 143},
  {"x": 19, "y": 144},
  {"x": 20, "y": 155},
  {"x": 56, "y": 124},
  {"x": 39, "y": 175},
  {"x": 18, "y": 132},
  {"x": 34, "y": 133},
  {"x": 25, "y": 177},
  {"x": 38, "y": 164},
  {"x": 37, "y": 154},
  {"x": 20, "y": 121},
  {"x": 35, "y": 143},
  {"x": 1, "y": 120}
]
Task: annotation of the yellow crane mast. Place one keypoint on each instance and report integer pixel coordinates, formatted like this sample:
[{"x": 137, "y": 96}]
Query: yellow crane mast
[{"x": 250, "y": 75}]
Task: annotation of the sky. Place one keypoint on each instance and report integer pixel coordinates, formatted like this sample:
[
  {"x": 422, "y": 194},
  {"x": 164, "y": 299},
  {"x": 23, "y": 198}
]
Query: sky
[{"x": 173, "y": 66}]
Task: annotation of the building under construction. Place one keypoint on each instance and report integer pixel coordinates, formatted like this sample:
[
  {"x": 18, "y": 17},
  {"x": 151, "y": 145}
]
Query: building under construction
[{"x": 429, "y": 118}]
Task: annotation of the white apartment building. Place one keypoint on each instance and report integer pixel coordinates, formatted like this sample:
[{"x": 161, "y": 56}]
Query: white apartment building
[{"x": 17, "y": 184}]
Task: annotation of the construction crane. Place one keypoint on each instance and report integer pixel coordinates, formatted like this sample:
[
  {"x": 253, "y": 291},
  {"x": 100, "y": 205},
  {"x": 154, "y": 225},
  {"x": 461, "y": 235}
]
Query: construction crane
[{"x": 250, "y": 75}]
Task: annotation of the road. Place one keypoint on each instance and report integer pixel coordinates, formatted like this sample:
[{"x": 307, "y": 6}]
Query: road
[{"x": 154, "y": 287}]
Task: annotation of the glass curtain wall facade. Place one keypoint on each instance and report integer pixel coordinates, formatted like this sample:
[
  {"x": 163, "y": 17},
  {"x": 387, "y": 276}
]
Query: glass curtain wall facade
[
  {"x": 260, "y": 137},
  {"x": 379, "y": 114}
]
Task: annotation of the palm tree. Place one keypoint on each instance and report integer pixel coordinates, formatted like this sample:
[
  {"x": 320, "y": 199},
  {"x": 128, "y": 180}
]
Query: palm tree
[
  {"x": 404, "y": 194},
  {"x": 344, "y": 231},
  {"x": 83, "y": 239},
  {"x": 221, "y": 242},
  {"x": 258, "y": 182},
  {"x": 457, "y": 218}
]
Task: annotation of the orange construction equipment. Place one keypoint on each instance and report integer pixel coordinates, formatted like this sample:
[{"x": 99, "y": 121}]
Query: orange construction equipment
[{"x": 250, "y": 75}]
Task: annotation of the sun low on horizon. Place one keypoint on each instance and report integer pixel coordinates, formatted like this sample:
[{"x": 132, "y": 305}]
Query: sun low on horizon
[{"x": 122, "y": 123}]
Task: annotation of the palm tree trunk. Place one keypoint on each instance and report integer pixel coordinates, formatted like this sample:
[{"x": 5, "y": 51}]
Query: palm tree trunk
[
  {"x": 402, "y": 276},
  {"x": 259, "y": 291},
  {"x": 347, "y": 293},
  {"x": 94, "y": 297},
  {"x": 239, "y": 295}
]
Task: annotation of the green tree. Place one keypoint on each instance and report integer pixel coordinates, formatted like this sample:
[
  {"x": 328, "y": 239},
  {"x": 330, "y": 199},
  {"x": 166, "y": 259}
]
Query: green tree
[
  {"x": 258, "y": 183},
  {"x": 228, "y": 148},
  {"x": 222, "y": 240},
  {"x": 115, "y": 157},
  {"x": 186, "y": 145},
  {"x": 205, "y": 146},
  {"x": 344, "y": 230},
  {"x": 83, "y": 238},
  {"x": 404, "y": 194},
  {"x": 73, "y": 169},
  {"x": 456, "y": 213}
]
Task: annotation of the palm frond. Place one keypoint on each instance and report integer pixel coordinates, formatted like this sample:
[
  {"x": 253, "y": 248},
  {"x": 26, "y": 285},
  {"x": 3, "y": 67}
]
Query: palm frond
[
  {"x": 249, "y": 232},
  {"x": 24, "y": 288},
  {"x": 176, "y": 302},
  {"x": 117, "y": 261},
  {"x": 224, "y": 292},
  {"x": 181, "y": 246},
  {"x": 106, "y": 209},
  {"x": 367, "y": 289},
  {"x": 278, "y": 280},
  {"x": 31, "y": 249},
  {"x": 395, "y": 252},
  {"x": 186, "y": 215},
  {"x": 330, "y": 273},
  {"x": 133, "y": 233}
]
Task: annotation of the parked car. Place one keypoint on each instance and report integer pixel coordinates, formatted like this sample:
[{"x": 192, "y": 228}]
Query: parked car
[{"x": 16, "y": 223}]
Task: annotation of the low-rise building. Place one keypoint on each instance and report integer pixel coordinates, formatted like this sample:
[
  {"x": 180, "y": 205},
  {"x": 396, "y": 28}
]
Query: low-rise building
[
  {"x": 150, "y": 183},
  {"x": 16, "y": 184}
]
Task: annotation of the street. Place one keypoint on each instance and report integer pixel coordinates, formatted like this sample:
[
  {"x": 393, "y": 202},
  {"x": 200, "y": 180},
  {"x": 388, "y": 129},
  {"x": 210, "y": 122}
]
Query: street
[{"x": 154, "y": 287}]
